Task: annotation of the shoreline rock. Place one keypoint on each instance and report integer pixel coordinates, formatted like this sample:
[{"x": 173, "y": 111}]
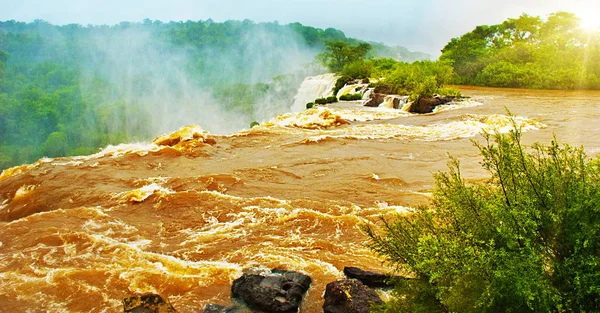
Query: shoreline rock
[
  {"x": 278, "y": 292},
  {"x": 371, "y": 278},
  {"x": 349, "y": 296},
  {"x": 147, "y": 303}
]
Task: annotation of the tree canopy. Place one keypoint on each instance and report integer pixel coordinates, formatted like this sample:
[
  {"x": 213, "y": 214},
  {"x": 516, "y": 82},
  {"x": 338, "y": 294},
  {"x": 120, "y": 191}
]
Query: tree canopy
[
  {"x": 338, "y": 54},
  {"x": 528, "y": 52}
]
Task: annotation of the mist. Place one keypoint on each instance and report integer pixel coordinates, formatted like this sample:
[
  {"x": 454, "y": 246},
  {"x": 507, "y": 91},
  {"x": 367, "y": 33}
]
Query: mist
[{"x": 70, "y": 90}]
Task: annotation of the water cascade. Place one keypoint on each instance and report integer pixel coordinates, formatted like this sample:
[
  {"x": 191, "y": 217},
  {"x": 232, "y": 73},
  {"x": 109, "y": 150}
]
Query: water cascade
[
  {"x": 395, "y": 102},
  {"x": 313, "y": 87}
]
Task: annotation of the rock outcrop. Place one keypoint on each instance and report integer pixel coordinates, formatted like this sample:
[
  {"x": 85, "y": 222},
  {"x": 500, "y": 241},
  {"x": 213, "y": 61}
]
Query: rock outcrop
[
  {"x": 216, "y": 308},
  {"x": 349, "y": 296},
  {"x": 147, "y": 303},
  {"x": 278, "y": 292},
  {"x": 376, "y": 99},
  {"x": 426, "y": 105},
  {"x": 370, "y": 278}
]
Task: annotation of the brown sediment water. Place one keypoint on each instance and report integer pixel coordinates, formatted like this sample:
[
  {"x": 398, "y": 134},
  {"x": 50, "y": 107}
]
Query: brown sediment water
[{"x": 183, "y": 215}]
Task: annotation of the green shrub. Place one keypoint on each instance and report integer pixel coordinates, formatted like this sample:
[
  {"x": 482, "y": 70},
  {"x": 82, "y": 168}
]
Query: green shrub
[
  {"x": 351, "y": 97},
  {"x": 331, "y": 99},
  {"x": 526, "y": 240},
  {"x": 321, "y": 101},
  {"x": 55, "y": 145},
  {"x": 449, "y": 92},
  {"x": 424, "y": 89},
  {"x": 254, "y": 123},
  {"x": 310, "y": 105},
  {"x": 358, "y": 69},
  {"x": 340, "y": 83}
]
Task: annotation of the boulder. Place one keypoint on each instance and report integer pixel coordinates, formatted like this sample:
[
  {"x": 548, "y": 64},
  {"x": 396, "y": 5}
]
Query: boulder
[
  {"x": 278, "y": 292},
  {"x": 370, "y": 278},
  {"x": 424, "y": 105},
  {"x": 216, "y": 308},
  {"x": 147, "y": 303},
  {"x": 349, "y": 296},
  {"x": 376, "y": 99},
  {"x": 445, "y": 99}
]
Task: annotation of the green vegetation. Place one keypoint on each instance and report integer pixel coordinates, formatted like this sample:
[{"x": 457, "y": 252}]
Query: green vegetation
[
  {"x": 351, "y": 97},
  {"x": 340, "y": 83},
  {"x": 327, "y": 100},
  {"x": 358, "y": 69},
  {"x": 254, "y": 123},
  {"x": 68, "y": 90},
  {"x": 339, "y": 54},
  {"x": 310, "y": 105},
  {"x": 418, "y": 79},
  {"x": 526, "y": 240},
  {"x": 527, "y": 52}
]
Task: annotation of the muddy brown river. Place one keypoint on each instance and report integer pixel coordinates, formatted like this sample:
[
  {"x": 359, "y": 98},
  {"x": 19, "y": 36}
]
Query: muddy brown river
[{"x": 184, "y": 215}]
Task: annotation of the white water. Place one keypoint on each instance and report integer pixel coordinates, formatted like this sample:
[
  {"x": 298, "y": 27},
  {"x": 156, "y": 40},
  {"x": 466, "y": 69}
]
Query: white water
[{"x": 313, "y": 87}]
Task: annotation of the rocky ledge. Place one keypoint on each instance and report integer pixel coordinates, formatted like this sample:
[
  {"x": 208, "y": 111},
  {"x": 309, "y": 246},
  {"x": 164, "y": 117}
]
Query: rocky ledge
[{"x": 281, "y": 291}]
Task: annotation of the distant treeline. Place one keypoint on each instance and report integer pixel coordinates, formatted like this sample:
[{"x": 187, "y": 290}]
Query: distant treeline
[
  {"x": 528, "y": 52},
  {"x": 68, "y": 90}
]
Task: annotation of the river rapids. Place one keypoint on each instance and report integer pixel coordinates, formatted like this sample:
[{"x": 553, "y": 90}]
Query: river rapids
[{"x": 185, "y": 214}]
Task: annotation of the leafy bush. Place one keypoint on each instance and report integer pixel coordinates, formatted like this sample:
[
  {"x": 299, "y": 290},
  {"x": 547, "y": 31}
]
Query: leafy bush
[
  {"x": 310, "y": 105},
  {"x": 449, "y": 92},
  {"x": 55, "y": 145},
  {"x": 419, "y": 78},
  {"x": 358, "y": 69},
  {"x": 327, "y": 100},
  {"x": 321, "y": 101},
  {"x": 254, "y": 123},
  {"x": 526, "y": 240},
  {"x": 340, "y": 83},
  {"x": 351, "y": 97},
  {"x": 424, "y": 89}
]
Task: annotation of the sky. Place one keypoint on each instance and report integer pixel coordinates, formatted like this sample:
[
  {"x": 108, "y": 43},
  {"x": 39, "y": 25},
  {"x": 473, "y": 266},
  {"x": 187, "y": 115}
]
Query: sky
[{"x": 420, "y": 25}]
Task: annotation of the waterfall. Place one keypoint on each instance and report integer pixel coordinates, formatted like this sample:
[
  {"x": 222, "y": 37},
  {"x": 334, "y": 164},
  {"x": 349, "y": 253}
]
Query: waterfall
[{"x": 313, "y": 87}]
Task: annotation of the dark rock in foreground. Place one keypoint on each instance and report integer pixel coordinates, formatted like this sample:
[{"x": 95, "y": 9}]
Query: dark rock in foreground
[
  {"x": 349, "y": 296},
  {"x": 278, "y": 292},
  {"x": 148, "y": 303},
  {"x": 370, "y": 278},
  {"x": 215, "y": 308}
]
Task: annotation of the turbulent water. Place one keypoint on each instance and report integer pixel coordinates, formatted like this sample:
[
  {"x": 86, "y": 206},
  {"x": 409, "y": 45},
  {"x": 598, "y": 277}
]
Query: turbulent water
[
  {"x": 183, "y": 215},
  {"x": 312, "y": 88}
]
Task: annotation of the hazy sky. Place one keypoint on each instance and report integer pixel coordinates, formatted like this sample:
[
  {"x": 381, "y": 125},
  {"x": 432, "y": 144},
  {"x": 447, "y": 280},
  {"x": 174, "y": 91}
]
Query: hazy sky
[{"x": 424, "y": 25}]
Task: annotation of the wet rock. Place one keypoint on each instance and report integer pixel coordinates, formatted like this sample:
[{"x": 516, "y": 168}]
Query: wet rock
[
  {"x": 376, "y": 99},
  {"x": 445, "y": 99},
  {"x": 369, "y": 278},
  {"x": 148, "y": 303},
  {"x": 349, "y": 296},
  {"x": 424, "y": 105},
  {"x": 277, "y": 292},
  {"x": 216, "y": 308}
]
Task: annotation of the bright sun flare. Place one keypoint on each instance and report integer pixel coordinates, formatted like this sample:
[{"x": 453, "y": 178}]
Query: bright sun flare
[
  {"x": 590, "y": 24},
  {"x": 590, "y": 21}
]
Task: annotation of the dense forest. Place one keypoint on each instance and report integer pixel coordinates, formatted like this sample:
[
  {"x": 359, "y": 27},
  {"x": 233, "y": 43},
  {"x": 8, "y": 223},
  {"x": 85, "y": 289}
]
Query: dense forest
[
  {"x": 528, "y": 52},
  {"x": 69, "y": 90}
]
